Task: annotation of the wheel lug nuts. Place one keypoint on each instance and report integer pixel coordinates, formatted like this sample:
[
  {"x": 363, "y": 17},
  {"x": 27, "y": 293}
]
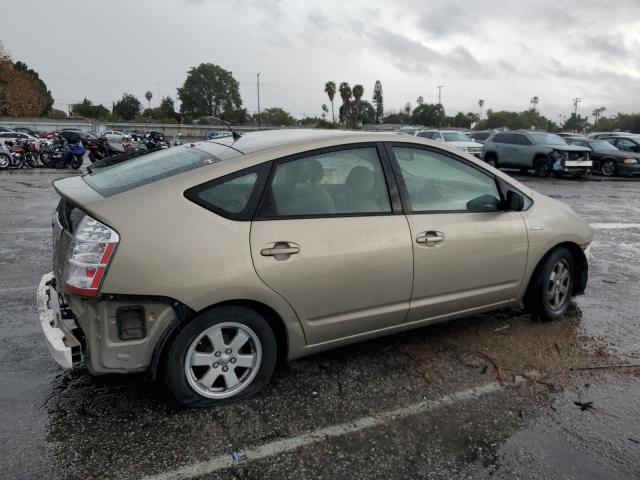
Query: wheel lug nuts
[
  {"x": 228, "y": 350},
  {"x": 224, "y": 369},
  {"x": 233, "y": 360},
  {"x": 217, "y": 354}
]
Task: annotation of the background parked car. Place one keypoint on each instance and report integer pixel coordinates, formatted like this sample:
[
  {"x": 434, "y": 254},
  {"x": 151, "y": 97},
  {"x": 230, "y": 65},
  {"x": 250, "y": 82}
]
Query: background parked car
[
  {"x": 539, "y": 151},
  {"x": 29, "y": 131},
  {"x": 453, "y": 137},
  {"x": 480, "y": 136},
  {"x": 115, "y": 136},
  {"x": 15, "y": 137},
  {"x": 628, "y": 143},
  {"x": 6, "y": 129},
  {"x": 600, "y": 135},
  {"x": 607, "y": 158}
]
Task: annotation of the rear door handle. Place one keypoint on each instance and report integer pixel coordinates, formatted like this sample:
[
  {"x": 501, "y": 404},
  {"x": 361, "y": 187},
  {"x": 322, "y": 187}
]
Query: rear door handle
[
  {"x": 430, "y": 238},
  {"x": 280, "y": 248}
]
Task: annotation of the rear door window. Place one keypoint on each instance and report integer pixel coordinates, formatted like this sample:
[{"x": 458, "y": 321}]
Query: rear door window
[{"x": 151, "y": 167}]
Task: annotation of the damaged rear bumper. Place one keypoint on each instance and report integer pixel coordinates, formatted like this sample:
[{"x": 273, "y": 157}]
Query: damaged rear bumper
[{"x": 65, "y": 348}]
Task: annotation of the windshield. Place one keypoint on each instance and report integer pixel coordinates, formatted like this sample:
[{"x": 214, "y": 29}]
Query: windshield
[
  {"x": 602, "y": 146},
  {"x": 481, "y": 135},
  {"x": 455, "y": 137},
  {"x": 146, "y": 169},
  {"x": 547, "y": 139}
]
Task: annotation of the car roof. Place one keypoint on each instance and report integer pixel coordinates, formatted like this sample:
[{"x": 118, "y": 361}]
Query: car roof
[{"x": 251, "y": 142}]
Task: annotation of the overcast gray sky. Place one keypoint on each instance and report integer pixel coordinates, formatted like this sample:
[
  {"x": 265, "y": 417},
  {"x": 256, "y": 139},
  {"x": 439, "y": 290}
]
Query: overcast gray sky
[{"x": 500, "y": 50}]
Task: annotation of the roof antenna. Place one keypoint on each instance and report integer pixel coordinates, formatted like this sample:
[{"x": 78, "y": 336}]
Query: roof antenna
[{"x": 234, "y": 134}]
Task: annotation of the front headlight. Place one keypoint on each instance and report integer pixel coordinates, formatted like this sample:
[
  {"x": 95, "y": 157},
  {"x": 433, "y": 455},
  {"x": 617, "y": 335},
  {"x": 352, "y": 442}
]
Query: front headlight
[{"x": 628, "y": 161}]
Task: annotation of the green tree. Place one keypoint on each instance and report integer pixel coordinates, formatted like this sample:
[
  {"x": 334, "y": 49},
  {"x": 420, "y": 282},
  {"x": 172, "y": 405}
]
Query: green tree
[
  {"x": 534, "y": 101},
  {"x": 481, "y": 104},
  {"x": 148, "y": 95},
  {"x": 430, "y": 115},
  {"x": 209, "y": 90},
  {"x": 277, "y": 116},
  {"x": 330, "y": 90},
  {"x": 358, "y": 91},
  {"x": 44, "y": 93},
  {"x": 325, "y": 110},
  {"x": 378, "y": 101},
  {"x": 128, "y": 107},
  {"x": 167, "y": 108},
  {"x": 345, "y": 94},
  {"x": 420, "y": 100},
  {"x": 87, "y": 109}
]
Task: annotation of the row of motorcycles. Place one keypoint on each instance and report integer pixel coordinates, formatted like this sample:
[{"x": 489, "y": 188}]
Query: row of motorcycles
[{"x": 62, "y": 153}]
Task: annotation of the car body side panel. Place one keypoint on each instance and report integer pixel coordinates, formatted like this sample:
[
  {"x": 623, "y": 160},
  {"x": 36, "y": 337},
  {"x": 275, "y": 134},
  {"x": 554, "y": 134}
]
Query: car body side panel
[
  {"x": 172, "y": 247},
  {"x": 351, "y": 275},
  {"x": 480, "y": 262},
  {"x": 549, "y": 225}
]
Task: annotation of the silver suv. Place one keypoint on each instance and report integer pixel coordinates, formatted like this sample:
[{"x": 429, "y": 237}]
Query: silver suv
[
  {"x": 544, "y": 153},
  {"x": 204, "y": 263}
]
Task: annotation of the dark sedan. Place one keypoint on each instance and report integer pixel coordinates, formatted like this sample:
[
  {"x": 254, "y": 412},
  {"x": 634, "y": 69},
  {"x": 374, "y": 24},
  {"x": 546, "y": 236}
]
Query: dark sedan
[{"x": 607, "y": 158}]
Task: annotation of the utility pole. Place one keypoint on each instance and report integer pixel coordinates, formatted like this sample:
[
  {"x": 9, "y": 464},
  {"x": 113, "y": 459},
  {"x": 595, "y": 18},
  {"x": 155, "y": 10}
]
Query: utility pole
[
  {"x": 576, "y": 101},
  {"x": 440, "y": 94},
  {"x": 258, "y": 77}
]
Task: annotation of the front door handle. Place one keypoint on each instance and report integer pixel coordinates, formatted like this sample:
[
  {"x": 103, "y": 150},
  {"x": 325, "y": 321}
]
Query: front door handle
[
  {"x": 430, "y": 238},
  {"x": 280, "y": 249}
]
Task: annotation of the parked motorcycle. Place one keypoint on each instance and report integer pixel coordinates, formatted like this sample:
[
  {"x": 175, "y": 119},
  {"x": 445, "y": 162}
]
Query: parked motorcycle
[
  {"x": 64, "y": 154},
  {"x": 20, "y": 155},
  {"x": 98, "y": 148}
]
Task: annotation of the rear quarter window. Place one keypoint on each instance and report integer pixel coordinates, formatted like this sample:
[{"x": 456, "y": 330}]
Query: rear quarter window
[{"x": 150, "y": 167}]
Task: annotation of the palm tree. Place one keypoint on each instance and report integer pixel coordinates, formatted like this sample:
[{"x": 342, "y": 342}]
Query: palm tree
[
  {"x": 358, "y": 91},
  {"x": 534, "y": 101},
  {"x": 420, "y": 100},
  {"x": 330, "y": 90},
  {"x": 481, "y": 104},
  {"x": 345, "y": 94},
  {"x": 148, "y": 96}
]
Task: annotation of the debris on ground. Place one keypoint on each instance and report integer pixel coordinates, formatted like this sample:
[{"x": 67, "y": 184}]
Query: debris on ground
[{"x": 238, "y": 456}]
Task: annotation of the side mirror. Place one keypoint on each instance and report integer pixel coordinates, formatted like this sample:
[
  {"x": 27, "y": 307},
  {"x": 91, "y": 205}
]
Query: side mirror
[{"x": 514, "y": 202}]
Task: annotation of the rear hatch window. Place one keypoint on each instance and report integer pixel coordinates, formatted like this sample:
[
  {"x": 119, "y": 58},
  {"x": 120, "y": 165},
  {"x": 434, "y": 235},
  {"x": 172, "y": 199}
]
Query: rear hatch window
[{"x": 151, "y": 167}]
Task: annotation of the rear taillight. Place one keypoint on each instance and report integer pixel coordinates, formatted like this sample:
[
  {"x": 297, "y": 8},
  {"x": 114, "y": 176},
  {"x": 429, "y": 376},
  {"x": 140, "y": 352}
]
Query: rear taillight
[{"x": 89, "y": 255}]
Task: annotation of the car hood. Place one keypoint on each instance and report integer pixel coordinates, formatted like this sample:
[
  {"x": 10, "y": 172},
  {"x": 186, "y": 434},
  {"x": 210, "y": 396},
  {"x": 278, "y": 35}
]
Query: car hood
[
  {"x": 465, "y": 144},
  {"x": 617, "y": 154}
]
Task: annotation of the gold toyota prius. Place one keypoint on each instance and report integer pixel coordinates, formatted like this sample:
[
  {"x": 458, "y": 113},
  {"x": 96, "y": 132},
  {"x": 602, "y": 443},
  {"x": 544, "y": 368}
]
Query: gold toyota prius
[{"x": 204, "y": 263}]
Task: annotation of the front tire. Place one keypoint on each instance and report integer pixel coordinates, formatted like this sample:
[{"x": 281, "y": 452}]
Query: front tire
[
  {"x": 608, "y": 168},
  {"x": 224, "y": 354},
  {"x": 542, "y": 167},
  {"x": 76, "y": 161},
  {"x": 5, "y": 161},
  {"x": 550, "y": 290}
]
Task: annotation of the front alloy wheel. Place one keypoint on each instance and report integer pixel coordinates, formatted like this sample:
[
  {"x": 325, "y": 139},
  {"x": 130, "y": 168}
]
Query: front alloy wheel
[
  {"x": 608, "y": 168},
  {"x": 558, "y": 285},
  {"x": 550, "y": 290}
]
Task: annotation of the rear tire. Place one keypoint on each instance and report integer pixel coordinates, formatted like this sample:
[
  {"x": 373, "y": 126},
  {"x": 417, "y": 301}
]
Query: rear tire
[
  {"x": 542, "y": 167},
  {"x": 76, "y": 162},
  {"x": 491, "y": 159},
  {"x": 203, "y": 362},
  {"x": 550, "y": 289}
]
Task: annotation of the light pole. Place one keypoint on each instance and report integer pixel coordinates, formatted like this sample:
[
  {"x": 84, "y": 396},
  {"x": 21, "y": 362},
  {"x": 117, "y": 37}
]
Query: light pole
[
  {"x": 440, "y": 94},
  {"x": 576, "y": 101},
  {"x": 258, "y": 77}
]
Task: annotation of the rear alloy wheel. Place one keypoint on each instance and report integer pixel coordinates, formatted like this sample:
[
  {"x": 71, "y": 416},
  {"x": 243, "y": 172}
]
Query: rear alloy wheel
[
  {"x": 223, "y": 354},
  {"x": 542, "y": 167},
  {"x": 549, "y": 293},
  {"x": 5, "y": 161},
  {"x": 491, "y": 160},
  {"x": 608, "y": 168}
]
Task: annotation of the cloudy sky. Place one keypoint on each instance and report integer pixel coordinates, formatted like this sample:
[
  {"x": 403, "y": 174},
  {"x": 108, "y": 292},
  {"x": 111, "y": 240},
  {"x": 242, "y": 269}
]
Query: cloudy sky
[{"x": 503, "y": 51}]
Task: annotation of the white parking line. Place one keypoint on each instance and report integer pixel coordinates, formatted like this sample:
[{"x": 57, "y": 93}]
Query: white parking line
[
  {"x": 614, "y": 226},
  {"x": 288, "y": 444}
]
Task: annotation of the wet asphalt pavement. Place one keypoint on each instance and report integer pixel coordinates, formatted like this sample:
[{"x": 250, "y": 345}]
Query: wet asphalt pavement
[{"x": 487, "y": 396}]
